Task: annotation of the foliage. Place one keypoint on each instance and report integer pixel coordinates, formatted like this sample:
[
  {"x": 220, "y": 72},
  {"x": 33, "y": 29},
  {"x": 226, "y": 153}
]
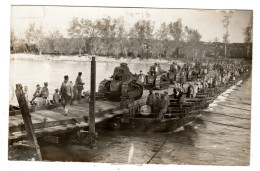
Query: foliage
[{"x": 112, "y": 37}]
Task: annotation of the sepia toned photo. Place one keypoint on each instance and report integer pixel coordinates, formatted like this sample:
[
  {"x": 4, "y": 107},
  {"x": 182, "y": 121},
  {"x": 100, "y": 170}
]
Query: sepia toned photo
[{"x": 130, "y": 85}]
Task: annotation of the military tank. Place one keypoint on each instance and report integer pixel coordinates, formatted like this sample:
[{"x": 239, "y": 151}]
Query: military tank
[
  {"x": 121, "y": 86},
  {"x": 174, "y": 69},
  {"x": 157, "y": 78}
]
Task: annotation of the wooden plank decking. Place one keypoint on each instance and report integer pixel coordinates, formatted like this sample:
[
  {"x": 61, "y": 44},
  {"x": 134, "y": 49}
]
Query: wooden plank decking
[{"x": 52, "y": 121}]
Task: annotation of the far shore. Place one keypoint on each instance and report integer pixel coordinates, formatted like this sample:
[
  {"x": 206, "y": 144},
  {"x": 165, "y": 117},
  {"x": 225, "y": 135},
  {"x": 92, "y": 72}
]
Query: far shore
[{"x": 88, "y": 58}]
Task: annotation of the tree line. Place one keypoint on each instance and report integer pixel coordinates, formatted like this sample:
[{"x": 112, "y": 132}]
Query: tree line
[{"x": 110, "y": 37}]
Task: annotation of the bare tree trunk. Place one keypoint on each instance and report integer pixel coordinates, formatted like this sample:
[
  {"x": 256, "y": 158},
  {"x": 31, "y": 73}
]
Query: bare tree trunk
[
  {"x": 79, "y": 52},
  {"x": 225, "y": 50}
]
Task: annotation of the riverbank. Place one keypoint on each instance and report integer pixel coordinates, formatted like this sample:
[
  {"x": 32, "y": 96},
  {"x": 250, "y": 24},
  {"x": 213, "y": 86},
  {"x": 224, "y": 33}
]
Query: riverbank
[{"x": 87, "y": 58}]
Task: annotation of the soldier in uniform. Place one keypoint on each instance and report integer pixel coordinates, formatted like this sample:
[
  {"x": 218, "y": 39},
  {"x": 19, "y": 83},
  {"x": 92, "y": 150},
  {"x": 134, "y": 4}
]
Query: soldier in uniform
[
  {"x": 157, "y": 105},
  {"x": 79, "y": 86},
  {"x": 150, "y": 100},
  {"x": 45, "y": 91},
  {"x": 163, "y": 107},
  {"x": 66, "y": 92}
]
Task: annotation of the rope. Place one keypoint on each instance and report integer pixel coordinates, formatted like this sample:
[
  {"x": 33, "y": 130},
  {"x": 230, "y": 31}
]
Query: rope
[{"x": 158, "y": 150}]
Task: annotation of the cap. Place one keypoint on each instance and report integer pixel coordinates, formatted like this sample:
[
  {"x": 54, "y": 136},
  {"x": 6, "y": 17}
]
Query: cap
[
  {"x": 66, "y": 77},
  {"x": 80, "y": 73},
  {"x": 45, "y": 83}
]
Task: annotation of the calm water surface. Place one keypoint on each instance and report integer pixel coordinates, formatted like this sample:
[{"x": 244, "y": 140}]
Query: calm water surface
[{"x": 30, "y": 73}]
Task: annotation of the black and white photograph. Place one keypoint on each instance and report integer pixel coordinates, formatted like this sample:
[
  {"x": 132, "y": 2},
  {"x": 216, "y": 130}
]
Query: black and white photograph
[{"x": 130, "y": 85}]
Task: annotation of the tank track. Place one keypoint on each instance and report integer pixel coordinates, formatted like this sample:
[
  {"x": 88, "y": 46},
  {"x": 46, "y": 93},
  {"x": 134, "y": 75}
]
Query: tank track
[
  {"x": 136, "y": 90},
  {"x": 102, "y": 88}
]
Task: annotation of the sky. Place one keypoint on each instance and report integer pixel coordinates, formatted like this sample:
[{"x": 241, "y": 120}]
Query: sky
[{"x": 207, "y": 22}]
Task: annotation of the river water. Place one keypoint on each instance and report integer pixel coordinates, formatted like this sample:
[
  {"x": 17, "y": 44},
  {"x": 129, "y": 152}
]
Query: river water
[
  {"x": 32, "y": 72},
  {"x": 220, "y": 136}
]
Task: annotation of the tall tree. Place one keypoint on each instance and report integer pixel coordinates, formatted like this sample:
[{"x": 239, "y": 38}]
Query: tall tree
[
  {"x": 49, "y": 41},
  {"x": 107, "y": 31},
  {"x": 176, "y": 33},
  {"x": 227, "y": 15},
  {"x": 162, "y": 35},
  {"x": 61, "y": 45},
  {"x": 192, "y": 37},
  {"x": 141, "y": 36},
  {"x": 13, "y": 41},
  {"x": 77, "y": 32},
  {"x": 175, "y": 30},
  {"x": 120, "y": 43},
  {"x": 248, "y": 38},
  {"x": 35, "y": 36}
]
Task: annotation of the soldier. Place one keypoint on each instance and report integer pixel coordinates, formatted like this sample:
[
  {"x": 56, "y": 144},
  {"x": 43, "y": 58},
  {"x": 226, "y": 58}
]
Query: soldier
[
  {"x": 182, "y": 97},
  {"x": 167, "y": 98},
  {"x": 66, "y": 92},
  {"x": 195, "y": 89},
  {"x": 150, "y": 100},
  {"x": 163, "y": 107},
  {"x": 45, "y": 91},
  {"x": 141, "y": 77},
  {"x": 175, "y": 93},
  {"x": 37, "y": 92},
  {"x": 56, "y": 96},
  {"x": 79, "y": 86},
  {"x": 157, "y": 105}
]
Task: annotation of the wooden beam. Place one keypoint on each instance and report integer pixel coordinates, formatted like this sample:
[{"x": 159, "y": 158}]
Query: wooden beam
[
  {"x": 27, "y": 119},
  {"x": 92, "y": 131}
]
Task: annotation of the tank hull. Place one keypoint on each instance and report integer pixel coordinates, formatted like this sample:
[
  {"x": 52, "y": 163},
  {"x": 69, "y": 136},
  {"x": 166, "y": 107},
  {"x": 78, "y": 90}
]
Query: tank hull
[{"x": 158, "y": 83}]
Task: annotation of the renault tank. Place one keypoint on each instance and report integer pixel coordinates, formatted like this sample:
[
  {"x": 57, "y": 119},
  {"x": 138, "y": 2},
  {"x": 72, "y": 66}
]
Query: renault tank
[
  {"x": 121, "y": 86},
  {"x": 157, "y": 78}
]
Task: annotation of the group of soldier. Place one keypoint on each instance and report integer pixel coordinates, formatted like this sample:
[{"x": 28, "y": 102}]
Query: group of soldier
[
  {"x": 158, "y": 103},
  {"x": 225, "y": 72},
  {"x": 66, "y": 95}
]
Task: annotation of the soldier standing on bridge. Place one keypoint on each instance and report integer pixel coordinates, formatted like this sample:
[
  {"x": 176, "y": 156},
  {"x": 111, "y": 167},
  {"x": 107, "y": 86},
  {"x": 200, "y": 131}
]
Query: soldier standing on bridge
[
  {"x": 79, "y": 86},
  {"x": 66, "y": 92}
]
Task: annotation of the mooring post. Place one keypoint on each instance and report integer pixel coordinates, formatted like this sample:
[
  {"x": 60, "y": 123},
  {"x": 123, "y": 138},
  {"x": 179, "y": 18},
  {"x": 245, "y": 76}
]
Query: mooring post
[
  {"x": 27, "y": 120},
  {"x": 92, "y": 131}
]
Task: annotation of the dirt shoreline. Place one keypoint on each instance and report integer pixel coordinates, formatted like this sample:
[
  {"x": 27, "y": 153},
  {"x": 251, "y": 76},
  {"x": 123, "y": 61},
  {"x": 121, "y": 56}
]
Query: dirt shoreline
[{"x": 87, "y": 58}]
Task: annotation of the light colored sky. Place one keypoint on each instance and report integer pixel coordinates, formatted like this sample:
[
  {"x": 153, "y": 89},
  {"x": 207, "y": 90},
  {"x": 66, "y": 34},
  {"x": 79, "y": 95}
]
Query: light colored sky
[{"x": 207, "y": 22}]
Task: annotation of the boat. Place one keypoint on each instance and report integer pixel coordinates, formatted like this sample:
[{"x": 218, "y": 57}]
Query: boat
[{"x": 175, "y": 117}]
